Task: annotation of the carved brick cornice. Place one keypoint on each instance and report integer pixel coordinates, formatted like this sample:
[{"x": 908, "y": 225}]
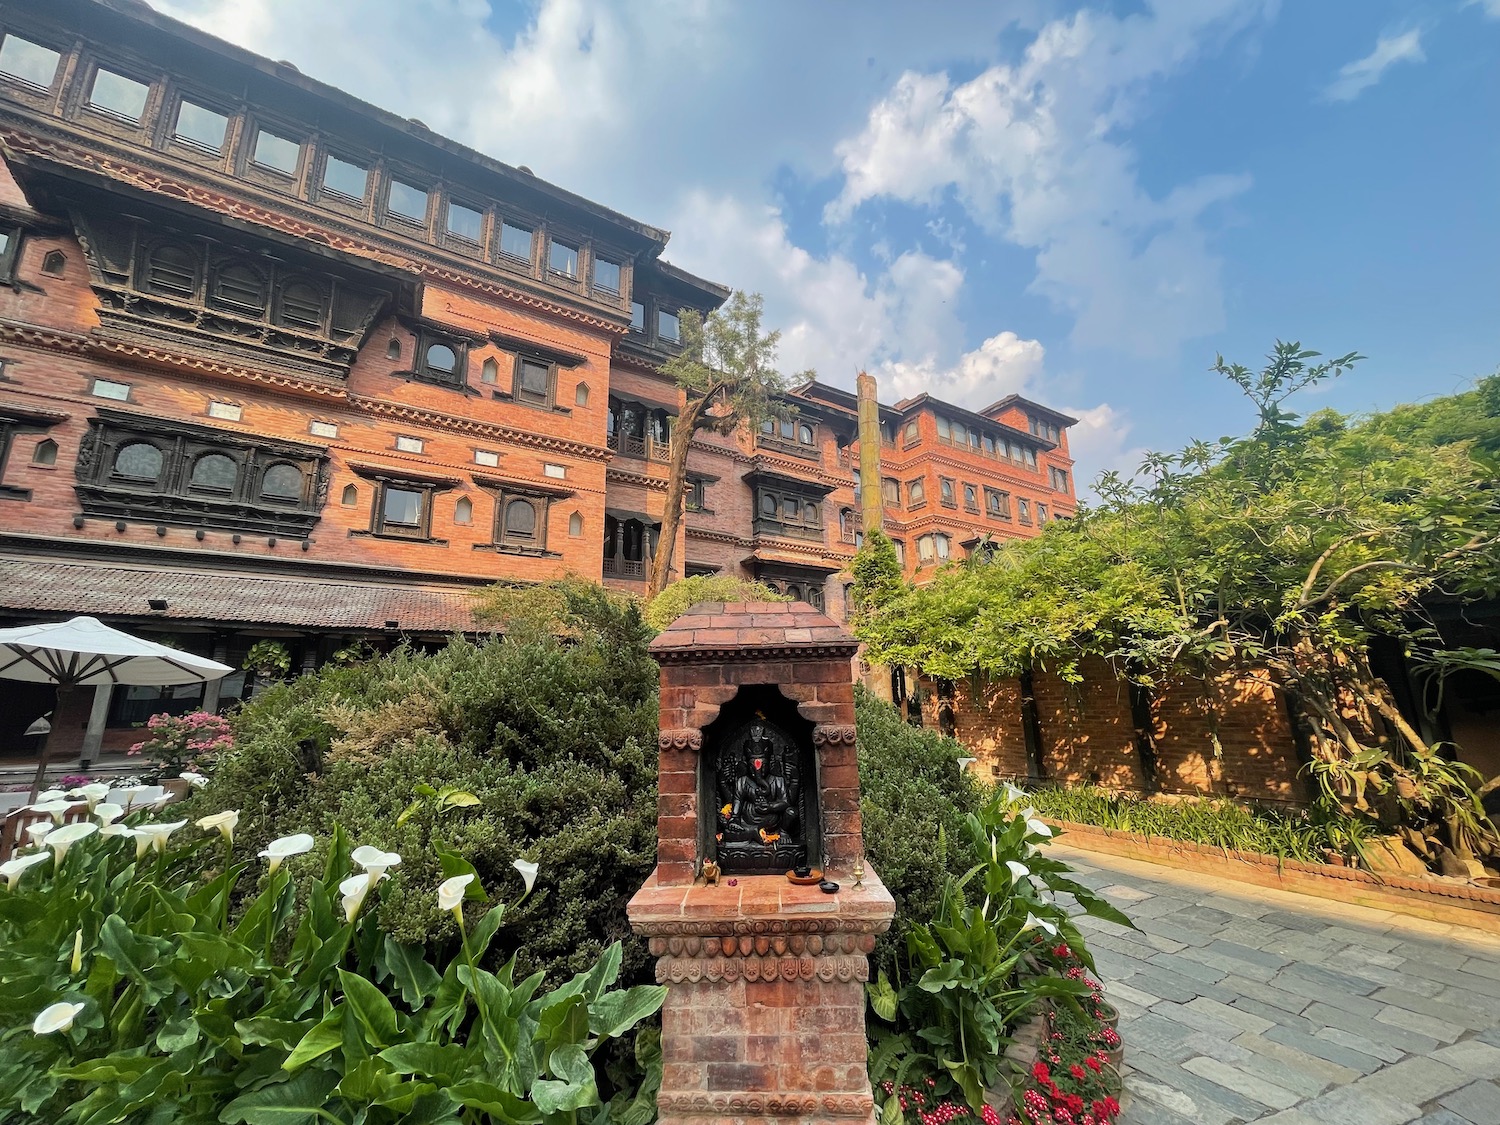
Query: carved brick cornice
[
  {"x": 727, "y": 970},
  {"x": 458, "y": 424},
  {"x": 753, "y": 1105},
  {"x": 682, "y": 738},
  {"x": 753, "y": 941},
  {"x": 833, "y": 734},
  {"x": 737, "y": 654},
  {"x": 625, "y": 476},
  {"x": 713, "y": 536},
  {"x": 51, "y": 144},
  {"x": 43, "y": 339}
]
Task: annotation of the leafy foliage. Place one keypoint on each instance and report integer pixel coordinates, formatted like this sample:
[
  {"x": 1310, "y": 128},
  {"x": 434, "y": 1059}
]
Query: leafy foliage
[
  {"x": 282, "y": 1015},
  {"x": 1292, "y": 550},
  {"x": 681, "y": 596}
]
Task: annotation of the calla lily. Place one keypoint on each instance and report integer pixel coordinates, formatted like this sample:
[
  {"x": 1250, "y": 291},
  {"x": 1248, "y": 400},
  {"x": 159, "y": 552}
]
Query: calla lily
[
  {"x": 450, "y": 892},
  {"x": 115, "y": 829},
  {"x": 93, "y": 793},
  {"x": 108, "y": 813},
  {"x": 13, "y": 869},
  {"x": 984, "y": 911},
  {"x": 994, "y": 849},
  {"x": 1018, "y": 871},
  {"x": 354, "y": 890},
  {"x": 77, "y": 952},
  {"x": 1012, "y": 794},
  {"x": 54, "y": 809},
  {"x": 374, "y": 861},
  {"x": 964, "y": 764},
  {"x": 57, "y": 1017},
  {"x": 528, "y": 872},
  {"x": 223, "y": 821},
  {"x": 61, "y": 839},
  {"x": 1037, "y": 827},
  {"x": 156, "y": 835},
  {"x": 38, "y": 832},
  {"x": 1034, "y": 923},
  {"x": 51, "y": 795},
  {"x": 196, "y": 780},
  {"x": 285, "y": 847}
]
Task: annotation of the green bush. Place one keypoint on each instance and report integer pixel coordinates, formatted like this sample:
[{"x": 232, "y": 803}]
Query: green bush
[
  {"x": 913, "y": 801},
  {"x": 681, "y": 596},
  {"x": 134, "y": 995},
  {"x": 545, "y": 745}
]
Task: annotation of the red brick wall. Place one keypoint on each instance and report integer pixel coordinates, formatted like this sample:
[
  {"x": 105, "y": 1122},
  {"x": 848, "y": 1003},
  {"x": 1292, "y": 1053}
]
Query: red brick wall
[
  {"x": 989, "y": 724},
  {"x": 1257, "y": 751}
]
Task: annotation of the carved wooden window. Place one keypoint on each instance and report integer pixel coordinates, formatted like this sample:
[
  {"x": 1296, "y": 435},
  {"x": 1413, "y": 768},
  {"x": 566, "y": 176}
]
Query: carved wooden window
[
  {"x": 520, "y": 521},
  {"x": 442, "y": 360},
  {"x": 997, "y": 503},
  {"x": 342, "y": 177},
  {"x": 172, "y": 270},
  {"x": 607, "y": 276},
  {"x": 139, "y": 461},
  {"x": 303, "y": 305},
  {"x": 200, "y": 127},
  {"x": 402, "y": 509},
  {"x": 276, "y": 153},
  {"x": 890, "y": 490},
  {"x": 1023, "y": 509},
  {"x": 54, "y": 263},
  {"x": 788, "y": 514},
  {"x": 407, "y": 203},
  {"x": 29, "y": 62},
  {"x": 118, "y": 95},
  {"x": 536, "y": 381},
  {"x": 239, "y": 287},
  {"x": 214, "y": 472},
  {"x": 946, "y": 493},
  {"x": 971, "y": 498},
  {"x": 515, "y": 242},
  {"x": 668, "y": 327},
  {"x": 282, "y": 483},
  {"x": 916, "y": 492},
  {"x": 562, "y": 260},
  {"x": 637, "y": 317}
]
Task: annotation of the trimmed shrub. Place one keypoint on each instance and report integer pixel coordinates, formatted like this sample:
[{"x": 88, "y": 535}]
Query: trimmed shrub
[{"x": 681, "y": 596}]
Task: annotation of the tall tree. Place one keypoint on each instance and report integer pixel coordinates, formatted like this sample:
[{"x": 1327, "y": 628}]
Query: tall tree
[{"x": 727, "y": 371}]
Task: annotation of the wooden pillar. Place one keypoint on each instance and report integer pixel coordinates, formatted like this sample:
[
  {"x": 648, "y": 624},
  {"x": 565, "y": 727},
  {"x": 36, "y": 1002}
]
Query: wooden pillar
[
  {"x": 93, "y": 737},
  {"x": 211, "y": 689}
]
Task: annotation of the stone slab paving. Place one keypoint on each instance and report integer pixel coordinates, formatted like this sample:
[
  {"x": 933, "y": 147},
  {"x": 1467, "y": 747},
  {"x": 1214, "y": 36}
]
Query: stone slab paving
[{"x": 1240, "y": 1003}]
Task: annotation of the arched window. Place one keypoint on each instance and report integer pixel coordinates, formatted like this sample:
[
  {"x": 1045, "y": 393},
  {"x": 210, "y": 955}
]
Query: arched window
[
  {"x": 581, "y": 395},
  {"x": 441, "y": 359},
  {"x": 489, "y": 372},
  {"x": 350, "y": 496},
  {"x": 520, "y": 519},
  {"x": 810, "y": 514},
  {"x": 463, "y": 511},
  {"x": 805, "y": 434},
  {"x": 846, "y": 521},
  {"x": 301, "y": 306},
  {"x": 393, "y": 349},
  {"x": 282, "y": 482},
  {"x": 239, "y": 286},
  {"x": 815, "y": 597},
  {"x": 767, "y": 504},
  {"x": 575, "y": 524},
  {"x": 45, "y": 452},
  {"x": 214, "y": 472},
  {"x": 794, "y": 591},
  {"x": 140, "y": 460},
  {"x": 54, "y": 263},
  {"x": 172, "y": 270}
]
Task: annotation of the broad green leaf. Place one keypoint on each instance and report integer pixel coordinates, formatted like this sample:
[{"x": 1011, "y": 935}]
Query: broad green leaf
[
  {"x": 615, "y": 1013},
  {"x": 575, "y": 1088},
  {"x": 883, "y": 997},
  {"x": 501, "y": 1105},
  {"x": 431, "y": 1060},
  {"x": 298, "y": 1101},
  {"x": 374, "y": 1012},
  {"x": 327, "y": 1035},
  {"x": 416, "y": 979}
]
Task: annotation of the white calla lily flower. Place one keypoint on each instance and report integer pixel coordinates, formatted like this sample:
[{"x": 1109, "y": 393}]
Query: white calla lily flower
[
  {"x": 61, "y": 839},
  {"x": 55, "y": 1017},
  {"x": 984, "y": 911},
  {"x": 114, "y": 828},
  {"x": 1037, "y": 827},
  {"x": 1013, "y": 795},
  {"x": 224, "y": 822},
  {"x": 450, "y": 892},
  {"x": 528, "y": 872},
  {"x": 156, "y": 835},
  {"x": 77, "y": 962},
  {"x": 374, "y": 861},
  {"x": 353, "y": 890},
  {"x": 12, "y": 869},
  {"x": 54, "y": 809},
  {"x": 285, "y": 847},
  {"x": 38, "y": 832},
  {"x": 1018, "y": 871},
  {"x": 1035, "y": 923},
  {"x": 107, "y": 813},
  {"x": 994, "y": 849},
  {"x": 93, "y": 793},
  {"x": 51, "y": 795},
  {"x": 196, "y": 780}
]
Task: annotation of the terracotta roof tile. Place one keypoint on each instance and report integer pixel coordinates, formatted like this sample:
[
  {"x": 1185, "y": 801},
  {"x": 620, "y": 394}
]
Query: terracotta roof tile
[{"x": 752, "y": 625}]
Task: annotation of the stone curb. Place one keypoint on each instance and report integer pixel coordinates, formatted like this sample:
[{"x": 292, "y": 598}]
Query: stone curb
[{"x": 1436, "y": 901}]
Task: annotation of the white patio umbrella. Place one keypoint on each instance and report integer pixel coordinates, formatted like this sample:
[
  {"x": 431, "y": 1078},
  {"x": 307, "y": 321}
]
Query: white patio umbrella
[{"x": 85, "y": 652}]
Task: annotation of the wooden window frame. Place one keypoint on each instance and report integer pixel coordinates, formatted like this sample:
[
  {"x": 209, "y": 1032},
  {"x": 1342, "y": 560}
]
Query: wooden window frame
[
  {"x": 550, "y": 401},
  {"x": 459, "y": 378},
  {"x": 508, "y": 542},
  {"x": 422, "y": 532}
]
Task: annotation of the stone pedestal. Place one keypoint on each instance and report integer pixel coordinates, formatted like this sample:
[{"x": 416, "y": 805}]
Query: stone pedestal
[{"x": 764, "y": 1020}]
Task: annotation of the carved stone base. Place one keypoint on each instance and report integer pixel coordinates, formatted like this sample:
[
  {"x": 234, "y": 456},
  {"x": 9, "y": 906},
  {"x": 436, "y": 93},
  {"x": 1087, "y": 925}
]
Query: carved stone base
[{"x": 764, "y": 1022}]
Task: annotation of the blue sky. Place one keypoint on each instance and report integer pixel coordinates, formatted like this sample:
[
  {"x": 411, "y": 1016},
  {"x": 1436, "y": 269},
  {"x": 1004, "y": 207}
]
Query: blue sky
[{"x": 1080, "y": 203}]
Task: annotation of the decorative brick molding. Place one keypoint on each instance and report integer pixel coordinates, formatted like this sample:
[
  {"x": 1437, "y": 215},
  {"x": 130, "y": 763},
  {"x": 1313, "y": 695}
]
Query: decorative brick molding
[
  {"x": 789, "y": 1105},
  {"x": 676, "y": 970},
  {"x": 686, "y": 738},
  {"x": 828, "y": 734}
]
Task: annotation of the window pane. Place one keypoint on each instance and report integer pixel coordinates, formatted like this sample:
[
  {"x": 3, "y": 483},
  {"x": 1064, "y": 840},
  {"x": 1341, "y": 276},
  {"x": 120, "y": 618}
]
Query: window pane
[
  {"x": 403, "y": 507},
  {"x": 637, "y": 317},
  {"x": 805, "y": 434},
  {"x": 30, "y": 62},
  {"x": 767, "y": 504},
  {"x": 465, "y": 222},
  {"x": 345, "y": 178},
  {"x": 302, "y": 306},
  {"x": 941, "y": 542},
  {"x": 520, "y": 518},
  {"x": 918, "y": 492},
  {"x": 810, "y": 513},
  {"x": 667, "y": 326},
  {"x": 117, "y": 94},
  {"x": 276, "y": 153},
  {"x": 201, "y": 126},
  {"x": 515, "y": 242},
  {"x": 239, "y": 285},
  {"x": 215, "y": 472},
  {"x": 283, "y": 482},
  {"x": 534, "y": 378},
  {"x": 563, "y": 259},
  {"x": 944, "y": 427},
  {"x": 139, "y": 460},
  {"x": 442, "y": 359},
  {"x": 606, "y": 275},
  {"x": 172, "y": 270},
  {"x": 407, "y": 202}
]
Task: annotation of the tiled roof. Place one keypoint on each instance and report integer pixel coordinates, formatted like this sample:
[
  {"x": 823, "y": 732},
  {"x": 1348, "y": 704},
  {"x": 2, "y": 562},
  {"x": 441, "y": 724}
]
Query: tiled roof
[
  {"x": 752, "y": 626},
  {"x": 47, "y": 586}
]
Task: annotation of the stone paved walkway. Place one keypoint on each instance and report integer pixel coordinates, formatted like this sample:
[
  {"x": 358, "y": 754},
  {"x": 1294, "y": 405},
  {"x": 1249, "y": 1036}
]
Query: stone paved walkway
[{"x": 1243, "y": 1004}]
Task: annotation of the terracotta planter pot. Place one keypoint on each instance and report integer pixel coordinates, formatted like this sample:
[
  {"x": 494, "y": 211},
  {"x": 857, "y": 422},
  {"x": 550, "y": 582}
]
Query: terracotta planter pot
[
  {"x": 1115, "y": 1057},
  {"x": 1113, "y": 1081},
  {"x": 1109, "y": 1015},
  {"x": 176, "y": 787}
]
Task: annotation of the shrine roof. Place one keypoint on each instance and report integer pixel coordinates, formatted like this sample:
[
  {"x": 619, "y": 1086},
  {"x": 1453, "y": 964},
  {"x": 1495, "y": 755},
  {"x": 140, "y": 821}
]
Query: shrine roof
[{"x": 711, "y": 628}]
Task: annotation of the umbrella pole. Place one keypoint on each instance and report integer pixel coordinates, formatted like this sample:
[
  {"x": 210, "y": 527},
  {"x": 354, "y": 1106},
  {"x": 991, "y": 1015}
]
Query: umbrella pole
[{"x": 64, "y": 694}]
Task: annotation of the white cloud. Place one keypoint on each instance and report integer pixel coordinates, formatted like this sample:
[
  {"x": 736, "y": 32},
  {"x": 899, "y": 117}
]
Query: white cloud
[
  {"x": 1491, "y": 8},
  {"x": 1358, "y": 76},
  {"x": 1031, "y": 150},
  {"x": 1004, "y": 364},
  {"x": 1101, "y": 442}
]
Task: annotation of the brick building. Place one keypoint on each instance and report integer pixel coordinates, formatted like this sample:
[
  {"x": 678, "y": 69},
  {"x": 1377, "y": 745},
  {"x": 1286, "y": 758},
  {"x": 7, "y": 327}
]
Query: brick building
[{"x": 276, "y": 364}]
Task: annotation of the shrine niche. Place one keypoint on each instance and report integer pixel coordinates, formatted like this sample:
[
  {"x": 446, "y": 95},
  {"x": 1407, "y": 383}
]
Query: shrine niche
[{"x": 759, "y": 777}]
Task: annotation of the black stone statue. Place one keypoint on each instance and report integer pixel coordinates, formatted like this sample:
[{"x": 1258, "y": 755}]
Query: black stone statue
[{"x": 758, "y": 784}]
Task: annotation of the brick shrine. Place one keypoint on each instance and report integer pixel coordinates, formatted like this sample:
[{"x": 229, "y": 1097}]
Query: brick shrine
[{"x": 764, "y": 1020}]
